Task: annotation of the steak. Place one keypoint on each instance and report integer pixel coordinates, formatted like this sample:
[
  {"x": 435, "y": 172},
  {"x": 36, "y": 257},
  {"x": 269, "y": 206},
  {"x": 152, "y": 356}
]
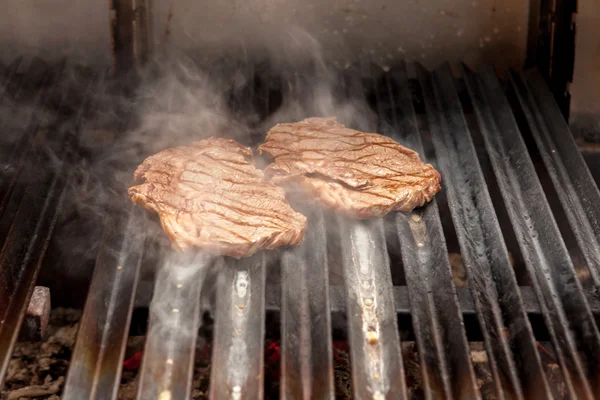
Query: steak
[
  {"x": 210, "y": 195},
  {"x": 362, "y": 175}
]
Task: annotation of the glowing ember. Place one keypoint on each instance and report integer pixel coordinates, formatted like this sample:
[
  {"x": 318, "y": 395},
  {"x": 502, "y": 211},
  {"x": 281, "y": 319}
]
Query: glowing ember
[{"x": 133, "y": 362}]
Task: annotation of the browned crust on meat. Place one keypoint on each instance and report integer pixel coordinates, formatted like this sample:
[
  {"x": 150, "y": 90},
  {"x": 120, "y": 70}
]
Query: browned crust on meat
[
  {"x": 361, "y": 174},
  {"x": 209, "y": 195}
]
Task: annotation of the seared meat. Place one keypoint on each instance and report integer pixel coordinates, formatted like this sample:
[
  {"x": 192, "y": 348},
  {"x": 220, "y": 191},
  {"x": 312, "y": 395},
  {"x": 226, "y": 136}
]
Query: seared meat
[
  {"x": 361, "y": 174},
  {"x": 210, "y": 195}
]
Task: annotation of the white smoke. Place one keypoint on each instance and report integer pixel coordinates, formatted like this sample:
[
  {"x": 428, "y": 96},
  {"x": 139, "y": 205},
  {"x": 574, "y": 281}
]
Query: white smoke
[
  {"x": 187, "y": 103},
  {"x": 174, "y": 102}
]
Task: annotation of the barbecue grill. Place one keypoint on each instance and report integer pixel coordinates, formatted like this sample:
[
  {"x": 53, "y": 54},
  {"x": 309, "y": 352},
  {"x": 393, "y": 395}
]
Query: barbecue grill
[{"x": 520, "y": 203}]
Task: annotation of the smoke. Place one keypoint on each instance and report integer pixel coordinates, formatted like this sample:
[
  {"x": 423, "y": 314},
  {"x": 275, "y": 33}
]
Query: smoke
[
  {"x": 185, "y": 103},
  {"x": 75, "y": 28},
  {"x": 316, "y": 89},
  {"x": 188, "y": 103},
  {"x": 173, "y": 101}
]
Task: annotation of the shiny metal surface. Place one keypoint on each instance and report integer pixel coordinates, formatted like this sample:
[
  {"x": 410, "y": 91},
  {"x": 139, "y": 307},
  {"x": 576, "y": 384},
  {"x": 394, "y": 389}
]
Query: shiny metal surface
[
  {"x": 306, "y": 355},
  {"x": 238, "y": 350},
  {"x": 566, "y": 311},
  {"x": 492, "y": 280},
  {"x": 96, "y": 364},
  {"x": 575, "y": 186},
  {"x": 168, "y": 363},
  {"x": 377, "y": 370}
]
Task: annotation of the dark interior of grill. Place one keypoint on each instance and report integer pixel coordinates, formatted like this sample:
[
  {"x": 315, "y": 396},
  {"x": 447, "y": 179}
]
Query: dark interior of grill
[{"x": 489, "y": 291}]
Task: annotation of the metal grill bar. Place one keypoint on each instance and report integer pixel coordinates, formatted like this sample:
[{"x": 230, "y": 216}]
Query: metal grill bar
[
  {"x": 168, "y": 363},
  {"x": 238, "y": 344},
  {"x": 95, "y": 370},
  {"x": 23, "y": 149},
  {"x": 27, "y": 240},
  {"x": 377, "y": 370},
  {"x": 238, "y": 338},
  {"x": 32, "y": 74},
  {"x": 550, "y": 268},
  {"x": 9, "y": 74},
  {"x": 576, "y": 188},
  {"x": 425, "y": 256},
  {"x": 482, "y": 247},
  {"x": 306, "y": 357}
]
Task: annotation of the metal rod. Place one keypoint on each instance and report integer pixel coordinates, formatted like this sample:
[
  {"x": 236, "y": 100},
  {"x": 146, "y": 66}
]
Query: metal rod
[
  {"x": 425, "y": 259},
  {"x": 566, "y": 312},
  {"x": 23, "y": 148},
  {"x": 168, "y": 362},
  {"x": 238, "y": 347},
  {"x": 306, "y": 356},
  {"x": 576, "y": 188},
  {"x": 27, "y": 240},
  {"x": 96, "y": 365},
  {"x": 32, "y": 72},
  {"x": 377, "y": 371},
  {"x": 9, "y": 74}
]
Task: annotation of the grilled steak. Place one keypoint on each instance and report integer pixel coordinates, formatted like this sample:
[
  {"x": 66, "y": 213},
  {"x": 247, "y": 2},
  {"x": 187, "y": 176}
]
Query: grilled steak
[
  {"x": 361, "y": 174},
  {"x": 210, "y": 195}
]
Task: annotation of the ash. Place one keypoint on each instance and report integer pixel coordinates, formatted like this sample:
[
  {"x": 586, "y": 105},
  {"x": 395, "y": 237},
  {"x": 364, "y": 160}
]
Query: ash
[{"x": 38, "y": 369}]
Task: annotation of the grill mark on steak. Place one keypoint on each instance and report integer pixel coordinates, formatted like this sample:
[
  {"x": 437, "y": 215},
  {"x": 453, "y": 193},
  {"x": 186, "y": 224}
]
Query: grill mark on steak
[
  {"x": 361, "y": 174},
  {"x": 241, "y": 211},
  {"x": 326, "y": 178},
  {"x": 210, "y": 195},
  {"x": 329, "y": 180}
]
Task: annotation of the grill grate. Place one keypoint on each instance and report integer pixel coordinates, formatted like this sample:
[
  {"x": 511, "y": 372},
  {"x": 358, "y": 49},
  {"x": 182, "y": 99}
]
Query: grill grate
[
  {"x": 482, "y": 247},
  {"x": 306, "y": 299},
  {"x": 567, "y": 169},
  {"x": 25, "y": 238},
  {"x": 557, "y": 288}
]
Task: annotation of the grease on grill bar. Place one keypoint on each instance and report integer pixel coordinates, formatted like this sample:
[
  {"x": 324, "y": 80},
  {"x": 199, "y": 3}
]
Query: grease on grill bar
[
  {"x": 377, "y": 369},
  {"x": 168, "y": 362},
  {"x": 237, "y": 370},
  {"x": 238, "y": 351}
]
